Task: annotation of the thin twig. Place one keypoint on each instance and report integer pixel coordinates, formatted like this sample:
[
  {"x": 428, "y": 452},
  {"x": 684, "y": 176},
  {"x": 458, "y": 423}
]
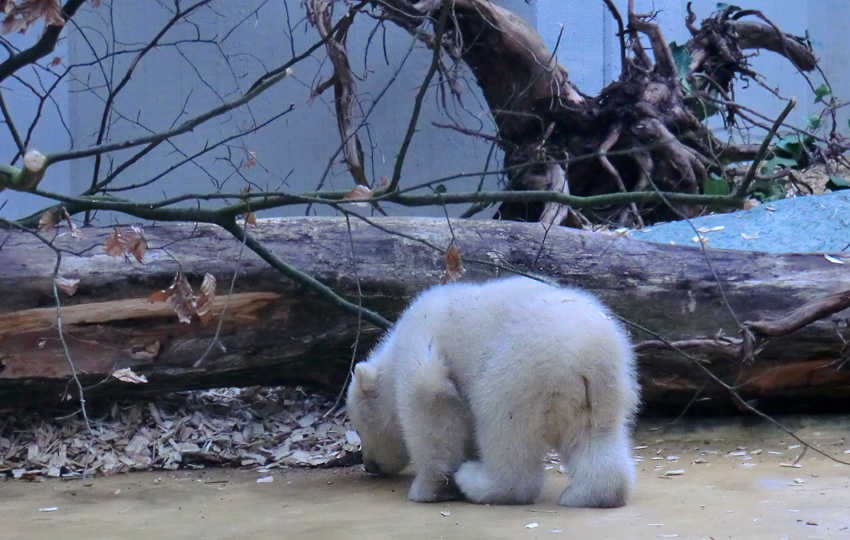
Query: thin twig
[
  {"x": 744, "y": 186},
  {"x": 732, "y": 392},
  {"x": 185, "y": 127},
  {"x": 214, "y": 339},
  {"x": 621, "y": 31},
  {"x": 74, "y": 377},
  {"x": 10, "y": 124},
  {"x": 298, "y": 276},
  {"x": 359, "y": 318},
  {"x": 445, "y": 9}
]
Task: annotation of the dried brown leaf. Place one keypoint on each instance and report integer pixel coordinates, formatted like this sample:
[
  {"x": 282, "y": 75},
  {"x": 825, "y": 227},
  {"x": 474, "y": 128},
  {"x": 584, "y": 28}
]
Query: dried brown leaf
[
  {"x": 114, "y": 245},
  {"x": 454, "y": 266},
  {"x": 73, "y": 228},
  {"x": 119, "y": 243},
  {"x": 252, "y": 159},
  {"x": 183, "y": 298},
  {"x": 250, "y": 218},
  {"x": 48, "y": 220},
  {"x": 21, "y": 16},
  {"x": 359, "y": 193},
  {"x": 206, "y": 297},
  {"x": 67, "y": 286},
  {"x": 139, "y": 248},
  {"x": 128, "y": 375},
  {"x": 56, "y": 61},
  {"x": 148, "y": 352}
]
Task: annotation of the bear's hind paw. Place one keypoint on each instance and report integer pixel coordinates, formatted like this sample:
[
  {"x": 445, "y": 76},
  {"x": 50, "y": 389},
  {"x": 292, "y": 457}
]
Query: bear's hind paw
[
  {"x": 426, "y": 490},
  {"x": 576, "y": 497}
]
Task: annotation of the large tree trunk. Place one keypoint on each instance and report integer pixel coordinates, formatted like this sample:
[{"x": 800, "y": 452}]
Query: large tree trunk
[{"x": 276, "y": 332}]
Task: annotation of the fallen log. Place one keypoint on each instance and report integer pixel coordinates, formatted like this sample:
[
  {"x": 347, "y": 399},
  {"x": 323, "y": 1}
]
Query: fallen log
[{"x": 275, "y": 331}]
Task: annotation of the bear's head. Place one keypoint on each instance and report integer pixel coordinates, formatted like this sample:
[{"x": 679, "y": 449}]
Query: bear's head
[{"x": 372, "y": 409}]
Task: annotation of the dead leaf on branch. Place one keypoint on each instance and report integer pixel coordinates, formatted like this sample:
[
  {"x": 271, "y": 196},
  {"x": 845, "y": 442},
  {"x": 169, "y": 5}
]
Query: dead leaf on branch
[
  {"x": 129, "y": 376},
  {"x": 20, "y": 17},
  {"x": 252, "y": 159},
  {"x": 67, "y": 286},
  {"x": 204, "y": 302},
  {"x": 48, "y": 221},
  {"x": 363, "y": 193},
  {"x": 249, "y": 217},
  {"x": 71, "y": 227},
  {"x": 359, "y": 193},
  {"x": 119, "y": 243},
  {"x": 183, "y": 298},
  {"x": 454, "y": 266}
]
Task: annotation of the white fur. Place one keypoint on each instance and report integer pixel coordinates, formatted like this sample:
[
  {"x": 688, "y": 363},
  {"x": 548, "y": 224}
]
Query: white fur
[{"x": 475, "y": 382}]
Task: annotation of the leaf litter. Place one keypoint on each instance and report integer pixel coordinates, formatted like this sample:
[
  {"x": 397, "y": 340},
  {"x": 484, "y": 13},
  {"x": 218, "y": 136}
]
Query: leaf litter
[{"x": 259, "y": 427}]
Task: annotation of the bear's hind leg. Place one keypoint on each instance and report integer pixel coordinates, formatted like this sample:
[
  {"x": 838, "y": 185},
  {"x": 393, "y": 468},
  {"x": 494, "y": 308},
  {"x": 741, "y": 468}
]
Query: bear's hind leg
[
  {"x": 601, "y": 466},
  {"x": 509, "y": 470}
]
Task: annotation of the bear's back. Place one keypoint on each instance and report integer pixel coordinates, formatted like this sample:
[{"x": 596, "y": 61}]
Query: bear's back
[{"x": 516, "y": 324}]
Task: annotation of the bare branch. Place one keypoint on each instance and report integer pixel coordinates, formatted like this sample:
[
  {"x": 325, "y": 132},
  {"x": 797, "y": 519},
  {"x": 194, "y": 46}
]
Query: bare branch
[
  {"x": 187, "y": 126},
  {"x": 42, "y": 48},
  {"x": 744, "y": 186},
  {"x": 439, "y": 33}
]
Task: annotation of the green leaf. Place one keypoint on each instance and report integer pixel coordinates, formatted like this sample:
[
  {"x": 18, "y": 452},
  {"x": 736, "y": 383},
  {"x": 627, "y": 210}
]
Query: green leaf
[
  {"x": 682, "y": 57},
  {"x": 723, "y": 5},
  {"x": 837, "y": 183},
  {"x": 769, "y": 190},
  {"x": 821, "y": 92},
  {"x": 813, "y": 120},
  {"x": 793, "y": 146},
  {"x": 715, "y": 185},
  {"x": 769, "y": 166}
]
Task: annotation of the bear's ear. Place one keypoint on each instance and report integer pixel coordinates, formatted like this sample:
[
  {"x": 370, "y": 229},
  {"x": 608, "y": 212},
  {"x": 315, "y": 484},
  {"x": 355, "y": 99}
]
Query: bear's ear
[{"x": 365, "y": 378}]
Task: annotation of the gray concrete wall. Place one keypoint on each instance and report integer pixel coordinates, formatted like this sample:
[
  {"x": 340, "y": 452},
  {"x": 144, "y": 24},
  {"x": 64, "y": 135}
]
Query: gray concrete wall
[{"x": 184, "y": 79}]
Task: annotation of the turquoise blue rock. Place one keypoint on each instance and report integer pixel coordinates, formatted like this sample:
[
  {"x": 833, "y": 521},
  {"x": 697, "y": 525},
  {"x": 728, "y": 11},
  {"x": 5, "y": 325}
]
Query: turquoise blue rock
[{"x": 815, "y": 223}]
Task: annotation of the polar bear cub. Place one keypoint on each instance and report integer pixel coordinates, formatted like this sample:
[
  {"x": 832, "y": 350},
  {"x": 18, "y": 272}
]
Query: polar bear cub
[{"x": 475, "y": 382}]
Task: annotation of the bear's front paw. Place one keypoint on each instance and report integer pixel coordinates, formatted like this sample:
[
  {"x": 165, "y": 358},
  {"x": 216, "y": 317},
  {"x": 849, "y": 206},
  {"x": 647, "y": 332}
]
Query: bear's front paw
[{"x": 428, "y": 489}]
